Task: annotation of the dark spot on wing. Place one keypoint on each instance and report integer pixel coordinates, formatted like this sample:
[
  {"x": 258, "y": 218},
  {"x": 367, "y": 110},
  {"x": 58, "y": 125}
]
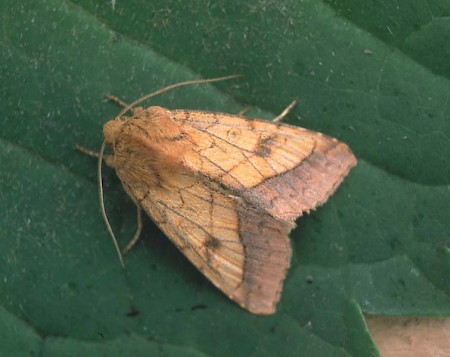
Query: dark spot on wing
[
  {"x": 212, "y": 243},
  {"x": 178, "y": 137},
  {"x": 263, "y": 148}
]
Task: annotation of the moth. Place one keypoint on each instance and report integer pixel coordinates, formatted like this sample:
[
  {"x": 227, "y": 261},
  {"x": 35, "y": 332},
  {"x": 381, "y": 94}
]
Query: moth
[{"x": 225, "y": 189}]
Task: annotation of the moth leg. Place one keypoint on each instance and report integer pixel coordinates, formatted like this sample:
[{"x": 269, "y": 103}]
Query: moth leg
[
  {"x": 138, "y": 232},
  {"x": 108, "y": 159},
  {"x": 285, "y": 111},
  {"x": 116, "y": 100}
]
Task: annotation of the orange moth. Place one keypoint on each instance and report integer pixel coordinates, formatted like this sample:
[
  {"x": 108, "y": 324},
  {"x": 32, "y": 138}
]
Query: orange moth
[{"x": 225, "y": 189}]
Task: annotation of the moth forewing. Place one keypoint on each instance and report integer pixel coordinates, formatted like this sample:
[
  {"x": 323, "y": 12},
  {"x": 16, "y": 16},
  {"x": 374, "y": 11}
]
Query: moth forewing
[{"x": 282, "y": 169}]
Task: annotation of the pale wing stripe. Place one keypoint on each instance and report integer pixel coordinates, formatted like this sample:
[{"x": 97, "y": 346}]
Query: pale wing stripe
[
  {"x": 219, "y": 274},
  {"x": 177, "y": 212}
]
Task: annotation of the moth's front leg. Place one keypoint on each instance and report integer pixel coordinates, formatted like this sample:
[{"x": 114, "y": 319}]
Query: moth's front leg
[{"x": 108, "y": 159}]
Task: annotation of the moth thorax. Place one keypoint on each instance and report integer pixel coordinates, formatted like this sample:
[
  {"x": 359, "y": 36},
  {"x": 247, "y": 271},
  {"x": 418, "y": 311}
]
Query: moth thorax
[{"x": 111, "y": 129}]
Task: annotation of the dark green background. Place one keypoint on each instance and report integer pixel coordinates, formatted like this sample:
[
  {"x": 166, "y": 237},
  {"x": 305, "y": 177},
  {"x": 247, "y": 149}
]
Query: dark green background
[{"x": 374, "y": 74}]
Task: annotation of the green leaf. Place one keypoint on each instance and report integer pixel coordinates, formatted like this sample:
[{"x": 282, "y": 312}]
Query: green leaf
[{"x": 372, "y": 74}]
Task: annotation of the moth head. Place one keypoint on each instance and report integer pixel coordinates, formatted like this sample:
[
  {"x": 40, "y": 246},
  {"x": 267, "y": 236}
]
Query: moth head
[{"x": 111, "y": 130}]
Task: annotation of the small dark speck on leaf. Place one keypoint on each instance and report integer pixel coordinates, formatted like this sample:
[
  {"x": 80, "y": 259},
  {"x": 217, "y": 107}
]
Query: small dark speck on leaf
[
  {"x": 72, "y": 285},
  {"x": 198, "y": 307},
  {"x": 132, "y": 313},
  {"x": 309, "y": 279}
]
